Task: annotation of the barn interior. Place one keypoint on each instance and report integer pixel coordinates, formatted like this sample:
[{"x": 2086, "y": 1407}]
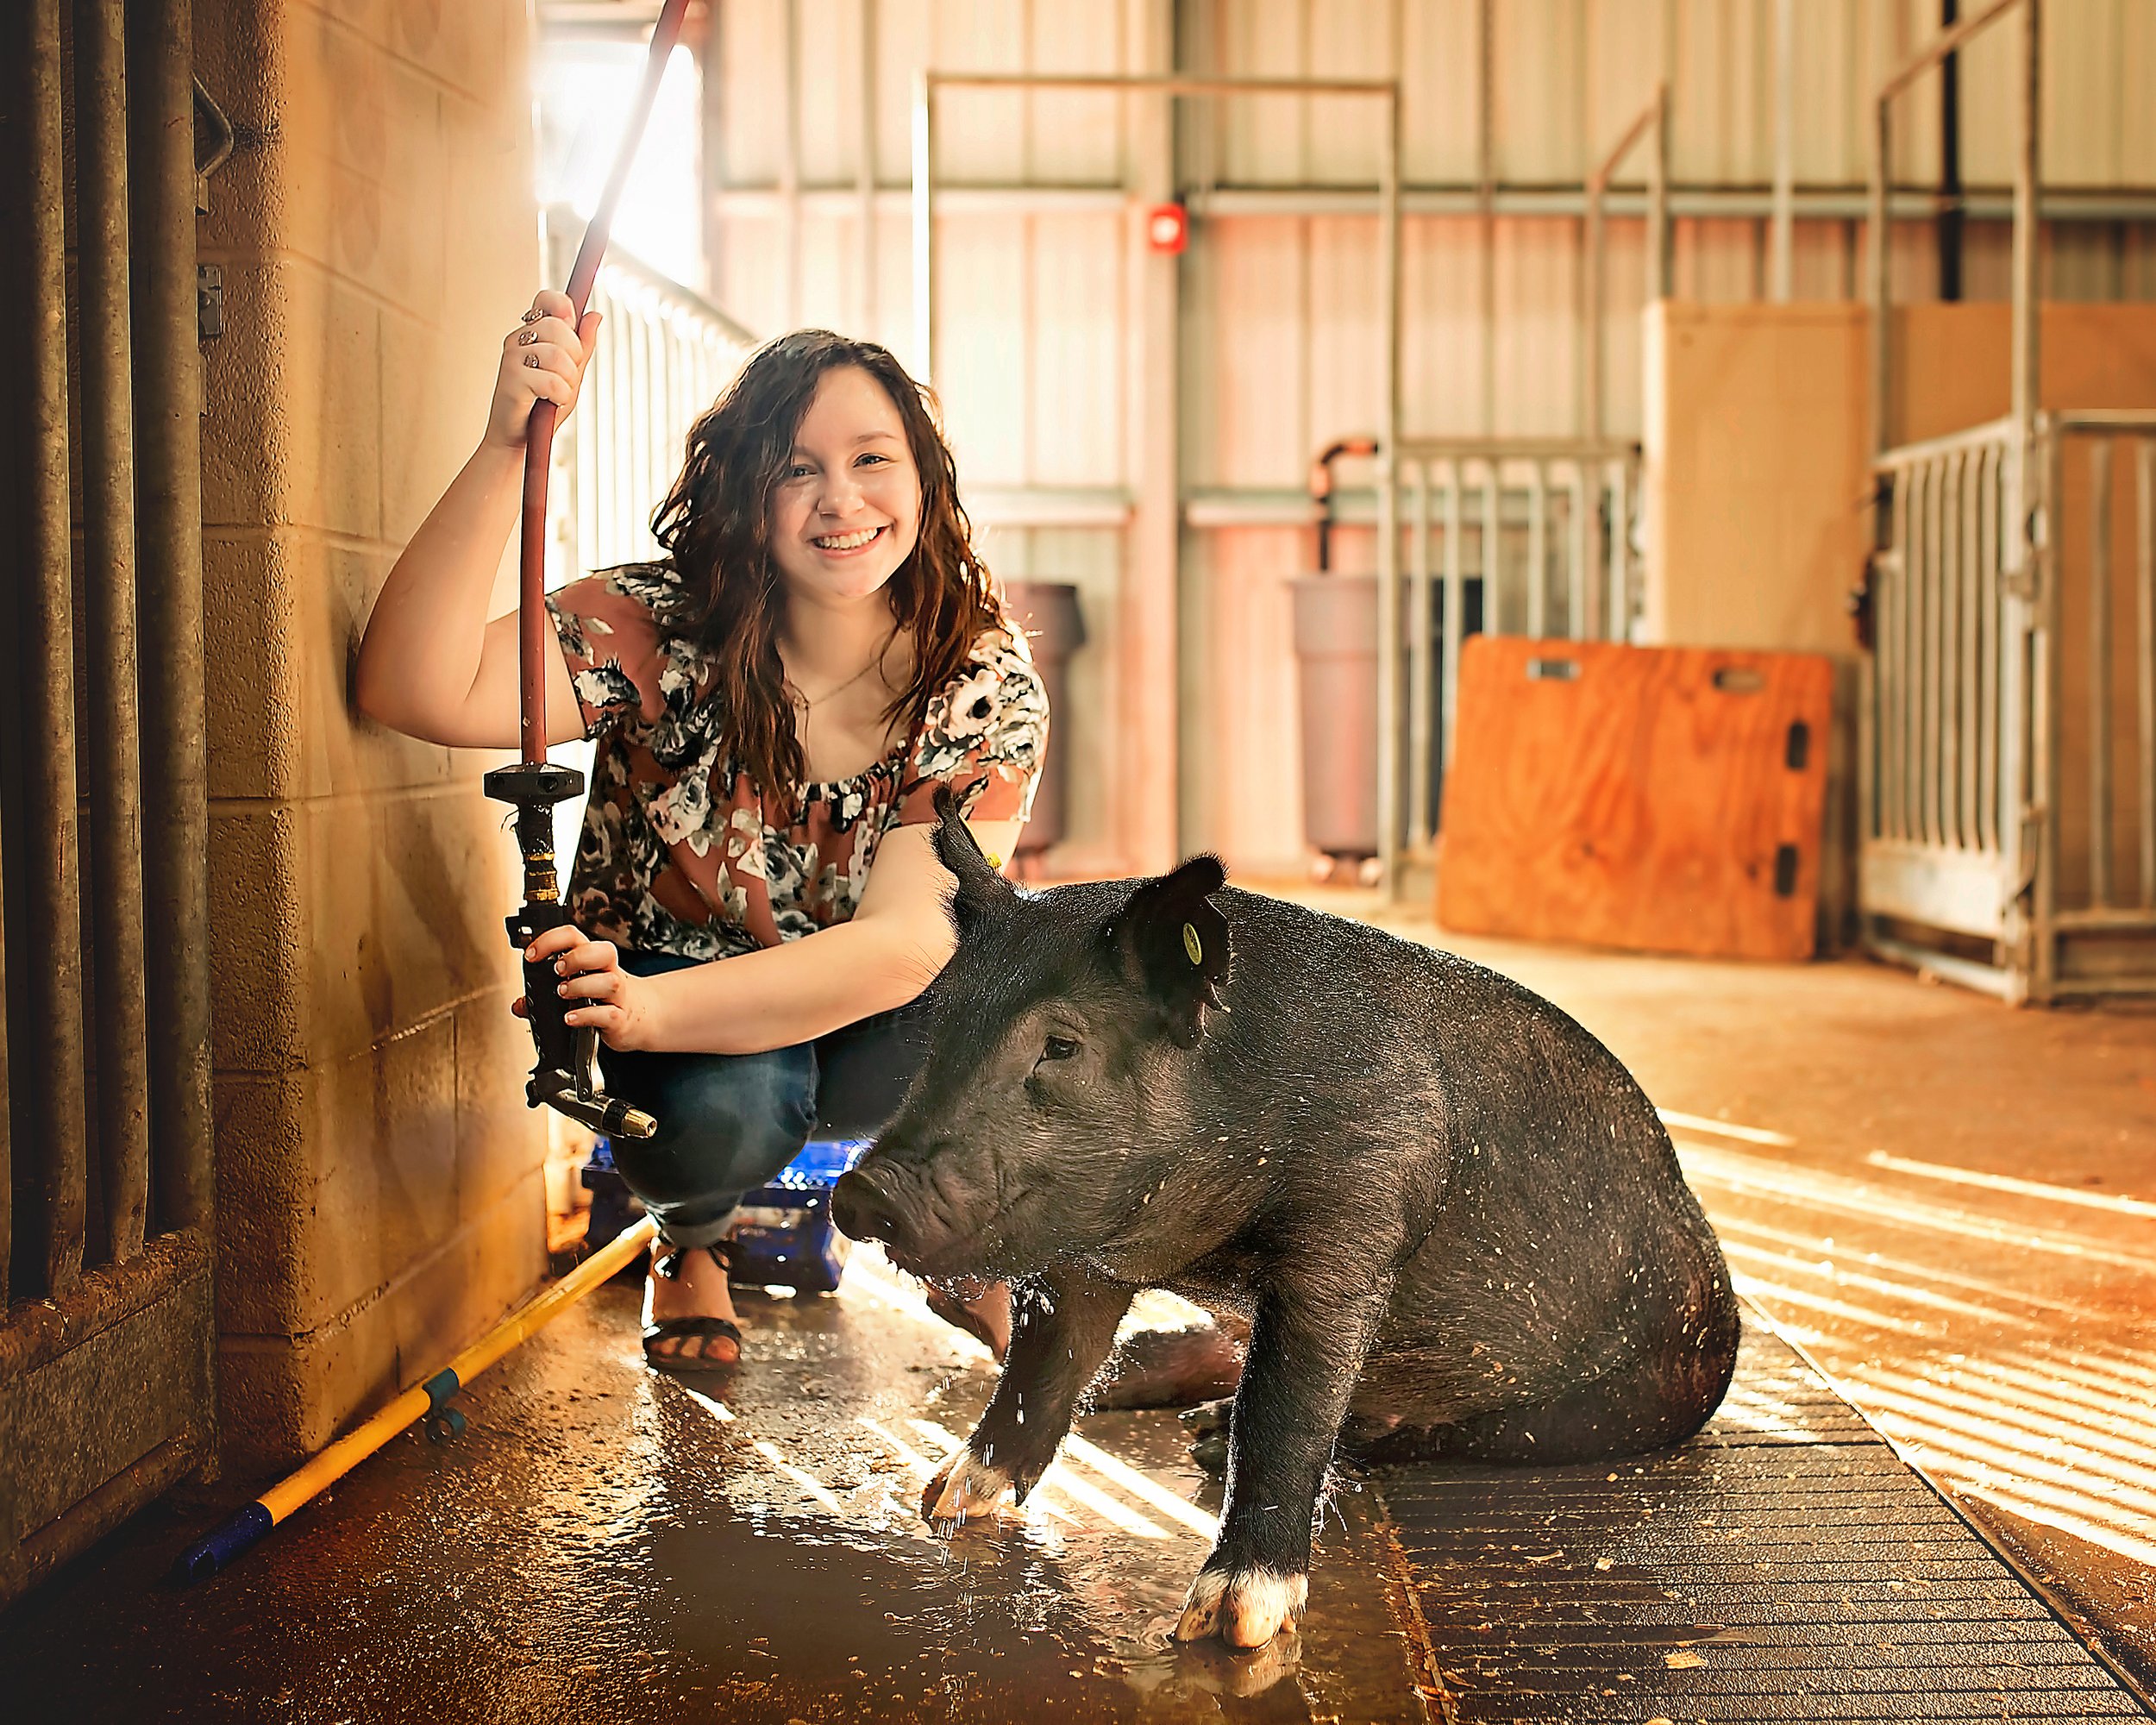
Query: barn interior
[{"x": 1657, "y": 497}]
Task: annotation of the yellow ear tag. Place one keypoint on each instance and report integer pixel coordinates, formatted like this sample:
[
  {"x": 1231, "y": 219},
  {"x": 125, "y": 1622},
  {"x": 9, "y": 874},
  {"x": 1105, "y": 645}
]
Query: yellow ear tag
[
  {"x": 994, "y": 860},
  {"x": 1190, "y": 946}
]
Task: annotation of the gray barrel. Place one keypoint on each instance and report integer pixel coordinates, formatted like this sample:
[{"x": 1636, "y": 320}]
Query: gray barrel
[
  {"x": 1048, "y": 611},
  {"x": 1336, "y": 658}
]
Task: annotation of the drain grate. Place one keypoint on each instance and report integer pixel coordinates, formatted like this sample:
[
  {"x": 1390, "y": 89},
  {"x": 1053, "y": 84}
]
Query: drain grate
[{"x": 1784, "y": 1565}]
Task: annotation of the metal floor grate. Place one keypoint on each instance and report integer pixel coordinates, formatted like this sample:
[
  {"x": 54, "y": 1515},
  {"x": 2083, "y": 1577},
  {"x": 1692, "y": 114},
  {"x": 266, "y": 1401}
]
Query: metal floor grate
[{"x": 1784, "y": 1565}]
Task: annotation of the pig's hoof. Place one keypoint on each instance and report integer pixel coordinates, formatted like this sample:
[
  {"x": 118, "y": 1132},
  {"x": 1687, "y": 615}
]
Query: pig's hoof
[
  {"x": 965, "y": 1485},
  {"x": 1246, "y": 1608}
]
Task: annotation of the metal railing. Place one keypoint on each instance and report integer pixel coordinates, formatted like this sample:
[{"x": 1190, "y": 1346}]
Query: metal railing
[
  {"x": 2002, "y": 776},
  {"x": 664, "y": 352},
  {"x": 105, "y": 1128},
  {"x": 1540, "y": 532}
]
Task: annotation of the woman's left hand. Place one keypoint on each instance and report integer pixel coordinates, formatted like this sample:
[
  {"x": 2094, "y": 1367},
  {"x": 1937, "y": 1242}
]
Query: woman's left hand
[{"x": 602, "y": 995}]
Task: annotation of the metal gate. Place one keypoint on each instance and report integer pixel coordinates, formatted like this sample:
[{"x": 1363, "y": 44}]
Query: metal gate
[
  {"x": 2008, "y": 802},
  {"x": 2003, "y": 763},
  {"x": 106, "y": 1320}
]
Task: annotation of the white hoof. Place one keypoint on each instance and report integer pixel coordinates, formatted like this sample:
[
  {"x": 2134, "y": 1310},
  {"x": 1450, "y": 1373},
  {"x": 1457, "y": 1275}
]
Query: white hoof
[
  {"x": 1246, "y": 1607},
  {"x": 965, "y": 1485}
]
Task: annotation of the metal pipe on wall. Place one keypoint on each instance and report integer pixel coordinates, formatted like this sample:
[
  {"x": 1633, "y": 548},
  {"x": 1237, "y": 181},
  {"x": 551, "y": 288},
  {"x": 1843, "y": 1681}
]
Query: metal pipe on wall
[
  {"x": 1388, "y": 666},
  {"x": 50, "y": 1029},
  {"x": 1596, "y": 195},
  {"x": 1782, "y": 226},
  {"x": 168, "y": 547},
  {"x": 108, "y": 526}
]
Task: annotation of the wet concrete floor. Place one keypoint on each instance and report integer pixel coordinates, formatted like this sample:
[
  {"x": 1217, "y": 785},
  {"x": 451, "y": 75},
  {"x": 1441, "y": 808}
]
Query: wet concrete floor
[
  {"x": 609, "y": 1545},
  {"x": 606, "y": 1544}
]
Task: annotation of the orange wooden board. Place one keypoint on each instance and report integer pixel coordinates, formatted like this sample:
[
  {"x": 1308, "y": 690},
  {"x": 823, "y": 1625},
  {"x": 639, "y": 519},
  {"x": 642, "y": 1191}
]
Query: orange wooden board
[{"x": 1649, "y": 797}]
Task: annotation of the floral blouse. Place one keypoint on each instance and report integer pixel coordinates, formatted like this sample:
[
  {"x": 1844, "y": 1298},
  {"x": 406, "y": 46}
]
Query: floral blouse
[{"x": 680, "y": 853}]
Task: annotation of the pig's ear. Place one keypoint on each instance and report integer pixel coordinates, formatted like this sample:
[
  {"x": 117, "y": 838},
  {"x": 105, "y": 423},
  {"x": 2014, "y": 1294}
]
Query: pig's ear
[
  {"x": 1172, "y": 940},
  {"x": 979, "y": 885}
]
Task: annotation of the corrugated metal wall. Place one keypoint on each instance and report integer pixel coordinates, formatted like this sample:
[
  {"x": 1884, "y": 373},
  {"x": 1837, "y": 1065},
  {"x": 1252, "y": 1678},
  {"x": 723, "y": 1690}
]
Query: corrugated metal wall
[{"x": 1274, "y": 339}]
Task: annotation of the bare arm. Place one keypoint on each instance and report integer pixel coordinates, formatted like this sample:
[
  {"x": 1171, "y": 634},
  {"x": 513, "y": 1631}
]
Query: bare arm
[
  {"x": 431, "y": 663},
  {"x": 889, "y": 951}
]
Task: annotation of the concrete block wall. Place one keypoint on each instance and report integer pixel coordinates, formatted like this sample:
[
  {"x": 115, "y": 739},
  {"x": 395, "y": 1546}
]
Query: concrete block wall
[{"x": 380, "y": 1190}]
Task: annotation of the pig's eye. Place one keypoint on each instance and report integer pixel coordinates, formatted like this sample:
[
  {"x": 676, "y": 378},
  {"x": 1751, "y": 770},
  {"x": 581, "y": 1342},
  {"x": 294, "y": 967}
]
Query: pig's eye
[{"x": 1058, "y": 1048}]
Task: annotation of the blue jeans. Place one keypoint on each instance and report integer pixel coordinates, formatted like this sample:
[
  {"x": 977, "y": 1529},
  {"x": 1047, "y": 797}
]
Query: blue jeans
[{"x": 729, "y": 1122}]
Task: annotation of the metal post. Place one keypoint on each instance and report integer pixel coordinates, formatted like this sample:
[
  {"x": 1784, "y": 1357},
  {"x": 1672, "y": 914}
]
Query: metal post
[
  {"x": 168, "y": 538},
  {"x": 108, "y": 470},
  {"x": 1597, "y": 312},
  {"x": 1876, "y": 243},
  {"x": 1388, "y": 667},
  {"x": 1493, "y": 550},
  {"x": 2026, "y": 515},
  {"x": 1537, "y": 553},
  {"x": 1781, "y": 230},
  {"x": 1455, "y": 616},
  {"x": 2099, "y": 671},
  {"x": 1418, "y": 666},
  {"x": 51, "y": 965},
  {"x": 2145, "y": 650},
  {"x": 1661, "y": 250}
]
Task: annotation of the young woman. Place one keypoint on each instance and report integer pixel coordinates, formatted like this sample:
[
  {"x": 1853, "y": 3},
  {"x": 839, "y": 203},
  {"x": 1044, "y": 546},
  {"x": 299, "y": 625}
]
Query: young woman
[{"x": 775, "y": 701}]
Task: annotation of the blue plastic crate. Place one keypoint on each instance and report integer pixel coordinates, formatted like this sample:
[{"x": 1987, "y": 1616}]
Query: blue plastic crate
[{"x": 783, "y": 1236}]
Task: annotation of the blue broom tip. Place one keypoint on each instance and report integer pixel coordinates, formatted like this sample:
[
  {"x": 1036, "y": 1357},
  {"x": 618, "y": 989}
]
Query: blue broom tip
[{"x": 218, "y": 1547}]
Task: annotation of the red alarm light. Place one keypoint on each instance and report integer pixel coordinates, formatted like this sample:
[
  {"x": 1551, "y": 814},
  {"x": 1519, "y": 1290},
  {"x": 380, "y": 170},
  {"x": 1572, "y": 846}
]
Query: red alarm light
[{"x": 1168, "y": 227}]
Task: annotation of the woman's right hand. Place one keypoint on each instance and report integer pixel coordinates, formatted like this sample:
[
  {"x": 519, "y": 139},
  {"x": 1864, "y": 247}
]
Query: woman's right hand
[{"x": 542, "y": 359}]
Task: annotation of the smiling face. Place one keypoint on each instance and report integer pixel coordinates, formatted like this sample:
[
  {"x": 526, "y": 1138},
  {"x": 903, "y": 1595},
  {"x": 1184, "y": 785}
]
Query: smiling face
[{"x": 846, "y": 513}]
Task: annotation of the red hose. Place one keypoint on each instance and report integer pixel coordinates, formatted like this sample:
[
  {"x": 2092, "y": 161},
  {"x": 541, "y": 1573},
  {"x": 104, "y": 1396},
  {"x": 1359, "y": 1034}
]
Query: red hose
[{"x": 532, "y": 631}]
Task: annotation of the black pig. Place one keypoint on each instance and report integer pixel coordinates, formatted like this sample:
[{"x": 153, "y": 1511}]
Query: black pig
[{"x": 1454, "y": 1218}]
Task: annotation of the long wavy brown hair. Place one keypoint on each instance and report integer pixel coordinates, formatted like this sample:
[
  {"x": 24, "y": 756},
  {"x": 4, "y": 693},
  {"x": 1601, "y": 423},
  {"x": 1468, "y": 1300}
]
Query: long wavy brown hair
[{"x": 714, "y": 526}]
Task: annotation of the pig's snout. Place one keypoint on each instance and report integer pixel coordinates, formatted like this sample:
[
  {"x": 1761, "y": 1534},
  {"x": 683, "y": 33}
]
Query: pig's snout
[{"x": 864, "y": 1213}]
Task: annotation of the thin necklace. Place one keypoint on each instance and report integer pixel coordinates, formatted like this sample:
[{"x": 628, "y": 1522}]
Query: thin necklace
[{"x": 873, "y": 664}]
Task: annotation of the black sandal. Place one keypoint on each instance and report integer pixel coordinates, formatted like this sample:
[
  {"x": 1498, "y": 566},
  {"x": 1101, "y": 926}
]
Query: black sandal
[{"x": 700, "y": 1329}]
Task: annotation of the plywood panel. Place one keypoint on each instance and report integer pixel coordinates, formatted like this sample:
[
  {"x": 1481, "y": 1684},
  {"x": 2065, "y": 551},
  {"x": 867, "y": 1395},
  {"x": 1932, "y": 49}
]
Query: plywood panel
[
  {"x": 1759, "y": 527},
  {"x": 1651, "y": 799}
]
